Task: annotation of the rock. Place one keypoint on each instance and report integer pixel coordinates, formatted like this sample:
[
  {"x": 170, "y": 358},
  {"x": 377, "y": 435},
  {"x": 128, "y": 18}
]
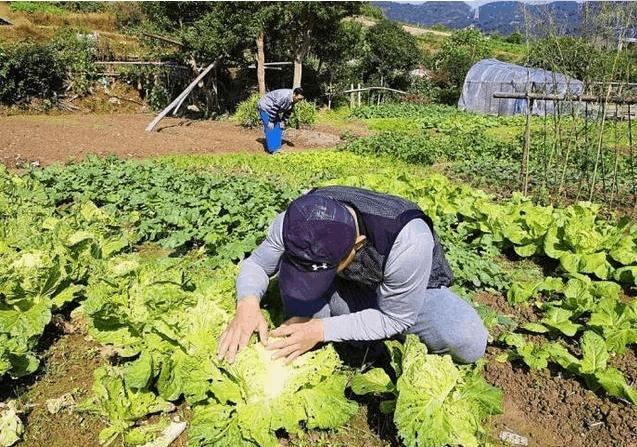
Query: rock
[
  {"x": 60, "y": 403},
  {"x": 513, "y": 438}
]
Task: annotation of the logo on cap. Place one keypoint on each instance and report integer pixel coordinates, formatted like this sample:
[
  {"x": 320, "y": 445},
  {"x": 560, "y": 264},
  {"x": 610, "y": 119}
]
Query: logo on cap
[{"x": 323, "y": 266}]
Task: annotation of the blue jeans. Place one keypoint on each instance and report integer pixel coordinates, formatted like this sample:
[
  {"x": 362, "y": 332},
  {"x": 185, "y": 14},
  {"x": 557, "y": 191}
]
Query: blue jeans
[
  {"x": 445, "y": 324},
  {"x": 273, "y": 137}
]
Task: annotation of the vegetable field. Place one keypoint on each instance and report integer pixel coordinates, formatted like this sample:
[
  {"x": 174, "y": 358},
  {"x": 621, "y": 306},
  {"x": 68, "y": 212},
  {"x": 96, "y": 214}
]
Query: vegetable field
[{"x": 117, "y": 277}]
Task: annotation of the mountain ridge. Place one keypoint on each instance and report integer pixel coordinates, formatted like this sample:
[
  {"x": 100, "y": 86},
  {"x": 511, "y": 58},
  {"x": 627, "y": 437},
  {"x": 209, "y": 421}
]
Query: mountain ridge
[{"x": 504, "y": 17}]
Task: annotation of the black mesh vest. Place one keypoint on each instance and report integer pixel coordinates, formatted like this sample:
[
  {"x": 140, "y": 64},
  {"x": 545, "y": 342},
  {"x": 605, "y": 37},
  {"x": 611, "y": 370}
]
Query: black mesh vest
[{"x": 381, "y": 218}]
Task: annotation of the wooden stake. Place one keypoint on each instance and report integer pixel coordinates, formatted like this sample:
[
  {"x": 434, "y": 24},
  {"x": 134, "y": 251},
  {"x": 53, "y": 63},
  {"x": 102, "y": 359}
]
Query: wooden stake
[
  {"x": 524, "y": 171},
  {"x": 180, "y": 99},
  {"x": 351, "y": 97}
]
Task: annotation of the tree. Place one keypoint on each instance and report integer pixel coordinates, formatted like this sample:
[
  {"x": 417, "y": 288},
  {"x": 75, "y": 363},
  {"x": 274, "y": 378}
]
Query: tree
[
  {"x": 458, "y": 53},
  {"x": 309, "y": 22},
  {"x": 390, "y": 49},
  {"x": 340, "y": 57}
]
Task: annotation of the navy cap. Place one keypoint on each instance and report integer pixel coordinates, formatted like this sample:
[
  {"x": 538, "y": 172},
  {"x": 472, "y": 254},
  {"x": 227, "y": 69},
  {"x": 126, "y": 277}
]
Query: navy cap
[{"x": 318, "y": 232}]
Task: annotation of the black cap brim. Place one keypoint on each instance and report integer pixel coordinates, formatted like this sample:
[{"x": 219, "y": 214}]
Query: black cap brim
[{"x": 304, "y": 292}]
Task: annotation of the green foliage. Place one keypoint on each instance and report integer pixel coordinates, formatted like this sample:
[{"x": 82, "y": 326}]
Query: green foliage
[
  {"x": 139, "y": 308},
  {"x": 515, "y": 38},
  {"x": 44, "y": 71},
  {"x": 303, "y": 115},
  {"x": 176, "y": 208},
  {"x": 390, "y": 49},
  {"x": 76, "y": 54},
  {"x": 29, "y": 71},
  {"x": 436, "y": 403},
  {"x": 56, "y": 246},
  {"x": 33, "y": 7},
  {"x": 579, "y": 58},
  {"x": 247, "y": 115},
  {"x": 45, "y": 262},
  {"x": 368, "y": 10},
  {"x": 411, "y": 149},
  {"x": 429, "y": 134},
  {"x": 458, "y": 53}
]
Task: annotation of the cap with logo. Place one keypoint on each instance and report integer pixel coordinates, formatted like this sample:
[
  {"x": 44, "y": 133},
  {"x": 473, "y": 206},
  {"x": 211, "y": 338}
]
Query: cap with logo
[{"x": 318, "y": 232}]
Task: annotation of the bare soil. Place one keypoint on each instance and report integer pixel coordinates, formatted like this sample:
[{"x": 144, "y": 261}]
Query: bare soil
[
  {"x": 44, "y": 139},
  {"x": 551, "y": 407}
]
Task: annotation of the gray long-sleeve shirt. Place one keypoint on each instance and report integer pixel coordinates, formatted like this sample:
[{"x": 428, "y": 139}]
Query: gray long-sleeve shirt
[
  {"x": 399, "y": 296},
  {"x": 277, "y": 102}
]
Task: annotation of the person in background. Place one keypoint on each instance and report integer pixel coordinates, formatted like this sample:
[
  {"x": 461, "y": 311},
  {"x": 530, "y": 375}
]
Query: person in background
[
  {"x": 274, "y": 109},
  {"x": 354, "y": 266}
]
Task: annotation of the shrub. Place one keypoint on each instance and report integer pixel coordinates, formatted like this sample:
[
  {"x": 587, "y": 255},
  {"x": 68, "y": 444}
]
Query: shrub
[
  {"x": 304, "y": 115},
  {"x": 246, "y": 115},
  {"x": 36, "y": 7},
  {"x": 76, "y": 54},
  {"x": 29, "y": 71},
  {"x": 456, "y": 56}
]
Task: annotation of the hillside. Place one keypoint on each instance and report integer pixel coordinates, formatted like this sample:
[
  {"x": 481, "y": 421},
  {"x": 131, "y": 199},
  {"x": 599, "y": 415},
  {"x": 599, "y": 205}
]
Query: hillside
[{"x": 504, "y": 17}]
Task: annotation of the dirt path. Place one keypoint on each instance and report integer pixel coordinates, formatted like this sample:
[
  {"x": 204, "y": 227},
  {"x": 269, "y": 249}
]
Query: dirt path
[{"x": 49, "y": 138}]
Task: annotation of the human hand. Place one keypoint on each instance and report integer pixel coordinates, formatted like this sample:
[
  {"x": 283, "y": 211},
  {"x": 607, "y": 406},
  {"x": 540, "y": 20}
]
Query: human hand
[
  {"x": 270, "y": 125},
  {"x": 301, "y": 334},
  {"x": 247, "y": 320}
]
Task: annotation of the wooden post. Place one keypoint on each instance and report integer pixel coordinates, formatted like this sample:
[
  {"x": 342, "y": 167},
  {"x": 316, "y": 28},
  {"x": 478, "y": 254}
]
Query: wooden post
[
  {"x": 180, "y": 99},
  {"x": 524, "y": 171},
  {"x": 359, "y": 95},
  {"x": 351, "y": 97},
  {"x": 261, "y": 63}
]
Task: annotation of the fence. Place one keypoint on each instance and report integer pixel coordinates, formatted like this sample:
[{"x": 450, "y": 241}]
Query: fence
[{"x": 582, "y": 148}]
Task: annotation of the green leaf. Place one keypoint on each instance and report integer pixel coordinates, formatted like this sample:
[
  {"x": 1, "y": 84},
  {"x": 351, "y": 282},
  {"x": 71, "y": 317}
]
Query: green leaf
[
  {"x": 560, "y": 319},
  {"x": 526, "y": 250},
  {"x": 138, "y": 372},
  {"x": 560, "y": 355},
  {"x": 11, "y": 426},
  {"x": 626, "y": 275},
  {"x": 373, "y": 381},
  {"x": 595, "y": 354},
  {"x": 387, "y": 406},
  {"x": 625, "y": 251},
  {"x": 438, "y": 404},
  {"x": 535, "y": 327},
  {"x": 614, "y": 383}
]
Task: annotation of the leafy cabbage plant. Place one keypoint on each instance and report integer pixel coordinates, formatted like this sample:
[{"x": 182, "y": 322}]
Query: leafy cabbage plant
[
  {"x": 45, "y": 262},
  {"x": 165, "y": 326},
  {"x": 435, "y": 402}
]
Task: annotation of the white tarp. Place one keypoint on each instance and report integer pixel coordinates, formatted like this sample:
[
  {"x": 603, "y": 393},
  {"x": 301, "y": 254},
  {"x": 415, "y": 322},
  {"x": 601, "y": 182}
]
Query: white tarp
[{"x": 491, "y": 75}]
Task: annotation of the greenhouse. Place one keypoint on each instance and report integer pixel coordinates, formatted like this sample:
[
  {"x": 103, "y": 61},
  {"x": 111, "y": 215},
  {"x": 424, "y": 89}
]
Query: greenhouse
[{"x": 489, "y": 76}]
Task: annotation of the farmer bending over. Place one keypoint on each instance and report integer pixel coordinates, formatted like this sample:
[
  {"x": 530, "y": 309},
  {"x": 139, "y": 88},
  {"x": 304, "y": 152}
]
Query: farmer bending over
[
  {"x": 274, "y": 109},
  {"x": 358, "y": 265}
]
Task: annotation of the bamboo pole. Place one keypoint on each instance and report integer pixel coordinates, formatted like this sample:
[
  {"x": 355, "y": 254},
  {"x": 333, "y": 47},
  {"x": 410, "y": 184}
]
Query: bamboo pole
[
  {"x": 177, "y": 101},
  {"x": 574, "y": 98},
  {"x": 365, "y": 89}
]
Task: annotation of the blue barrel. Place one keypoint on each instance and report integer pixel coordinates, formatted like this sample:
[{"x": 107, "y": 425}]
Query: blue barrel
[{"x": 274, "y": 138}]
